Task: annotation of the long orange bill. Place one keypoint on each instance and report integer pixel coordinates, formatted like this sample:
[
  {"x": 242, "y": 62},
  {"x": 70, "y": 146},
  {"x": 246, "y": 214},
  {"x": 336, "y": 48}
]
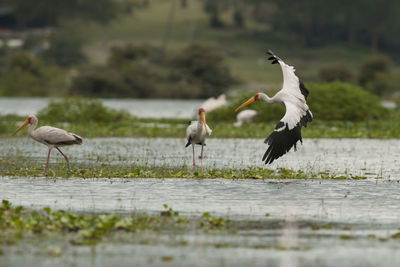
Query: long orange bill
[
  {"x": 203, "y": 118},
  {"x": 22, "y": 126},
  {"x": 251, "y": 100}
]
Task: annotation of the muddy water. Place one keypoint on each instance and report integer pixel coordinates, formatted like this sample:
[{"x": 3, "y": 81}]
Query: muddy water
[{"x": 371, "y": 158}]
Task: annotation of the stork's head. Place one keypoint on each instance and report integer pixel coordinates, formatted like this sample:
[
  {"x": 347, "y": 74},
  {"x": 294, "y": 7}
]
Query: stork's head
[
  {"x": 256, "y": 97},
  {"x": 31, "y": 119}
]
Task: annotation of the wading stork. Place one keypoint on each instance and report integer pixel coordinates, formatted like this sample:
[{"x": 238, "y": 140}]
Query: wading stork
[
  {"x": 50, "y": 136},
  {"x": 293, "y": 96},
  {"x": 197, "y": 131}
]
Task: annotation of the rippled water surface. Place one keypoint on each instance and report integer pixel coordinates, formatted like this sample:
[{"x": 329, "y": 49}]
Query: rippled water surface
[
  {"x": 364, "y": 157},
  {"x": 364, "y": 213}
]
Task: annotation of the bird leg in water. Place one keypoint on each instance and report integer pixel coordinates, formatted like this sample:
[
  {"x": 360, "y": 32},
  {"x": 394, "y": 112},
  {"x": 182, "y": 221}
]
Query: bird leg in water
[
  {"x": 194, "y": 164},
  {"x": 48, "y": 159},
  {"x": 201, "y": 155},
  {"x": 65, "y": 157}
]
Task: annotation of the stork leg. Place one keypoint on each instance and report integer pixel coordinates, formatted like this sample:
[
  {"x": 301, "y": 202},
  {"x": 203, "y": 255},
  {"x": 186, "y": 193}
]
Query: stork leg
[
  {"x": 65, "y": 157},
  {"x": 48, "y": 159},
  {"x": 194, "y": 164},
  {"x": 201, "y": 155}
]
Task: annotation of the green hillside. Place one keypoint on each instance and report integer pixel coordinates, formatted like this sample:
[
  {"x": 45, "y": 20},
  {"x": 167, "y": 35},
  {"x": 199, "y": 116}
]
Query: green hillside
[{"x": 244, "y": 47}]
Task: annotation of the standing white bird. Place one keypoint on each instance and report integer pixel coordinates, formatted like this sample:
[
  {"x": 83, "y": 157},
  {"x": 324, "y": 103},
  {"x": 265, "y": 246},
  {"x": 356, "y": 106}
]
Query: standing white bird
[
  {"x": 196, "y": 133},
  {"x": 293, "y": 96},
  {"x": 245, "y": 116},
  {"x": 50, "y": 136}
]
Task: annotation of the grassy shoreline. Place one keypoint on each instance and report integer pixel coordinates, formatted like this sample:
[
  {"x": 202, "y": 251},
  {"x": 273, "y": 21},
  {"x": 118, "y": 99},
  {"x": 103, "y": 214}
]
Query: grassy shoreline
[{"x": 153, "y": 128}]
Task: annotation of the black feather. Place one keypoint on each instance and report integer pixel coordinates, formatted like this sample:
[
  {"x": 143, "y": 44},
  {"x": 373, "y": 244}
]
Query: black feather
[
  {"x": 275, "y": 59},
  {"x": 280, "y": 142},
  {"x": 306, "y": 118},
  {"x": 304, "y": 90},
  {"x": 189, "y": 141}
]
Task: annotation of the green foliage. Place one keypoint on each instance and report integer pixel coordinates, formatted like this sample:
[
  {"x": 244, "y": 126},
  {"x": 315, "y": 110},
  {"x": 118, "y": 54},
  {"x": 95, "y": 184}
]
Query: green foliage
[
  {"x": 65, "y": 47},
  {"x": 25, "y": 75},
  {"x": 126, "y": 54},
  {"x": 100, "y": 81},
  {"x": 337, "y": 72},
  {"x": 204, "y": 65},
  {"x": 135, "y": 71},
  {"x": 80, "y": 110},
  {"x": 375, "y": 74},
  {"x": 41, "y": 13},
  {"x": 345, "y": 102}
]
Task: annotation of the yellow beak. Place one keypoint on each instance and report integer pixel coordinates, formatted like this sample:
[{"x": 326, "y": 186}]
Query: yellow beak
[
  {"x": 203, "y": 118},
  {"x": 251, "y": 100},
  {"x": 22, "y": 126}
]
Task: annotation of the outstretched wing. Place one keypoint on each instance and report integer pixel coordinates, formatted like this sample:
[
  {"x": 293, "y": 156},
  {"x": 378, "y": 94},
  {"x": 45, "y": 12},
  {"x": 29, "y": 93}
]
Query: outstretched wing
[
  {"x": 290, "y": 81},
  {"x": 287, "y": 132}
]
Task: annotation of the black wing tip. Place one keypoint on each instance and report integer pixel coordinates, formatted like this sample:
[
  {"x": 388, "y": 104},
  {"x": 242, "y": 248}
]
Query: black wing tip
[
  {"x": 275, "y": 59},
  {"x": 304, "y": 90},
  {"x": 78, "y": 140},
  {"x": 189, "y": 141}
]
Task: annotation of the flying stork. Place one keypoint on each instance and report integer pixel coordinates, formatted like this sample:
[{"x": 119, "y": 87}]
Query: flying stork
[
  {"x": 293, "y": 96},
  {"x": 50, "y": 136},
  {"x": 197, "y": 131}
]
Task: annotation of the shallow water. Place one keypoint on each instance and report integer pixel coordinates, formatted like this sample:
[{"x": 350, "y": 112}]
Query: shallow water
[
  {"x": 372, "y": 158},
  {"x": 143, "y": 108},
  {"x": 364, "y": 210},
  {"x": 357, "y": 208},
  {"x": 371, "y": 202}
]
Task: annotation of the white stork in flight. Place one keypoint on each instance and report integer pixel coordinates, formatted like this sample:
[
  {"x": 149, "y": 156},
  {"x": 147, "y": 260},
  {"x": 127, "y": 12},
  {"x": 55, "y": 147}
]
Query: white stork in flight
[
  {"x": 196, "y": 133},
  {"x": 293, "y": 96},
  {"x": 50, "y": 136}
]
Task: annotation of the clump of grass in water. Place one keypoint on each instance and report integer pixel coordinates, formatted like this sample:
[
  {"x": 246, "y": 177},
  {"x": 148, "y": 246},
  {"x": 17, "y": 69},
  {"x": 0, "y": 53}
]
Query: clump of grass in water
[
  {"x": 21, "y": 168},
  {"x": 87, "y": 229}
]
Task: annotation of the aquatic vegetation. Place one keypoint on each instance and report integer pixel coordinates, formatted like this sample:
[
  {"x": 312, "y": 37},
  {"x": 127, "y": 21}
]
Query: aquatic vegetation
[
  {"x": 86, "y": 229},
  {"x": 27, "y": 169}
]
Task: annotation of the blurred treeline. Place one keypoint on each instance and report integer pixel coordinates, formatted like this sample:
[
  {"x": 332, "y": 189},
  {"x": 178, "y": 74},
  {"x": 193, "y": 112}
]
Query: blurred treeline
[{"x": 52, "y": 60}]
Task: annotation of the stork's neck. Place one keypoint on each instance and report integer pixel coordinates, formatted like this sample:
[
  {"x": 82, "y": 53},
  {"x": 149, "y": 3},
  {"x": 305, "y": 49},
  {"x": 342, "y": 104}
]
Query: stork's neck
[
  {"x": 264, "y": 98},
  {"x": 32, "y": 127}
]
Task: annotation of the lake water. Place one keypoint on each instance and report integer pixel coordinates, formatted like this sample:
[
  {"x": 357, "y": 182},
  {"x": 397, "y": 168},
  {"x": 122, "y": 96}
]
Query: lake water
[
  {"x": 364, "y": 214},
  {"x": 144, "y": 108},
  {"x": 371, "y": 158}
]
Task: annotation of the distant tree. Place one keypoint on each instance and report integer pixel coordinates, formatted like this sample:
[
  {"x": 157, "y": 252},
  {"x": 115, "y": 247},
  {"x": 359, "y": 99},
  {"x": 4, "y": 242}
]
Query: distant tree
[
  {"x": 337, "y": 72},
  {"x": 204, "y": 65},
  {"x": 53, "y": 12},
  {"x": 373, "y": 65},
  {"x": 120, "y": 55},
  {"x": 213, "y": 8},
  {"x": 25, "y": 75},
  {"x": 65, "y": 47},
  {"x": 375, "y": 74}
]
